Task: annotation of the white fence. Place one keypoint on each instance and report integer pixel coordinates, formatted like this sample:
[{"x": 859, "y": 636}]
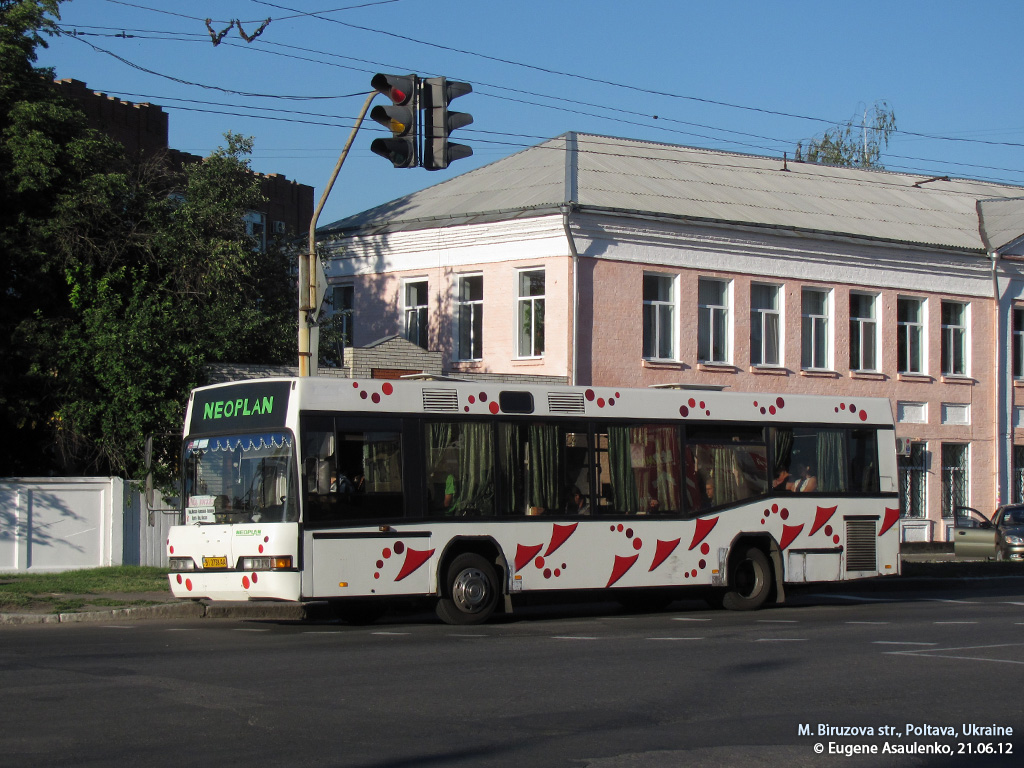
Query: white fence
[{"x": 64, "y": 523}]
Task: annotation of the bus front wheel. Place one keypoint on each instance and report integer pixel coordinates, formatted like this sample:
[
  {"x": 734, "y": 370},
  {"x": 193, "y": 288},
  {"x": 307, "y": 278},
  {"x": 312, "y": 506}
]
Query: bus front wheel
[
  {"x": 751, "y": 582},
  {"x": 470, "y": 591}
]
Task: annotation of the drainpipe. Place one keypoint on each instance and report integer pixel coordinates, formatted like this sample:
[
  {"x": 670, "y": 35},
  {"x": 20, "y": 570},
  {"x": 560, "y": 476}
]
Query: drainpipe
[
  {"x": 1002, "y": 391},
  {"x": 574, "y": 336}
]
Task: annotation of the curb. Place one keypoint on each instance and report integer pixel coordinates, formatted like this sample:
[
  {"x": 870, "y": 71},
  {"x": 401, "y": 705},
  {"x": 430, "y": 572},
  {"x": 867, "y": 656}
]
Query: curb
[{"x": 183, "y": 610}]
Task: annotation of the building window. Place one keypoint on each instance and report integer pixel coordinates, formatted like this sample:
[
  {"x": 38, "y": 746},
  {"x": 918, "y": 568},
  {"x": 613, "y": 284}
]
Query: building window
[
  {"x": 909, "y": 335},
  {"x": 1018, "y": 343},
  {"x": 469, "y": 318},
  {"x": 416, "y": 329},
  {"x": 342, "y": 301},
  {"x": 954, "y": 338},
  {"x": 863, "y": 333},
  {"x": 531, "y": 313},
  {"x": 815, "y": 330},
  {"x": 954, "y": 477},
  {"x": 765, "y": 324},
  {"x": 712, "y": 321},
  {"x": 659, "y": 317},
  {"x": 256, "y": 228},
  {"x": 913, "y": 470}
]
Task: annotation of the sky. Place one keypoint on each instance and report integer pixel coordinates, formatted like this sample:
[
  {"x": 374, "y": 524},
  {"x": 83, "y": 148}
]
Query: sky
[{"x": 749, "y": 76}]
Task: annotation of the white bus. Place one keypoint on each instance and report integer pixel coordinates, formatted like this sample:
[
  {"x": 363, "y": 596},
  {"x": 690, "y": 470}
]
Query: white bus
[{"x": 353, "y": 491}]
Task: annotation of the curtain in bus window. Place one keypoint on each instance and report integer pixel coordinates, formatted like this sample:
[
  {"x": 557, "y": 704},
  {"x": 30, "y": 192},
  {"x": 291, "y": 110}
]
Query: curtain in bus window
[
  {"x": 645, "y": 469},
  {"x": 475, "y": 485},
  {"x": 545, "y": 461},
  {"x": 832, "y": 465},
  {"x": 625, "y": 497},
  {"x": 725, "y": 474},
  {"x": 864, "y": 461},
  {"x": 511, "y": 458},
  {"x": 783, "y": 451},
  {"x": 460, "y": 475}
]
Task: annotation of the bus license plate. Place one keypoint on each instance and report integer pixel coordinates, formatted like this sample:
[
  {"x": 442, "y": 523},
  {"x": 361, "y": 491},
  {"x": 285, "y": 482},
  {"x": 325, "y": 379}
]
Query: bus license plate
[{"x": 215, "y": 562}]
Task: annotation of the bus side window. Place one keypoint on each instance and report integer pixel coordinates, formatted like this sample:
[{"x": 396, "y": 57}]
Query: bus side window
[
  {"x": 545, "y": 469},
  {"x": 644, "y": 470},
  {"x": 460, "y": 469}
]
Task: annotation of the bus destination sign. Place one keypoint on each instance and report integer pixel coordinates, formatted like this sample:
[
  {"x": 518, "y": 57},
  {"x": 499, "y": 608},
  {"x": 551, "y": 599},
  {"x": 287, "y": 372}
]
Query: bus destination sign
[{"x": 252, "y": 405}]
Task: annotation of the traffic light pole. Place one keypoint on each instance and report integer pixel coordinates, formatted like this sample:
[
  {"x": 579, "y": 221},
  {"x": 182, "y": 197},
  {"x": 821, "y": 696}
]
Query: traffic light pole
[{"x": 307, "y": 266}]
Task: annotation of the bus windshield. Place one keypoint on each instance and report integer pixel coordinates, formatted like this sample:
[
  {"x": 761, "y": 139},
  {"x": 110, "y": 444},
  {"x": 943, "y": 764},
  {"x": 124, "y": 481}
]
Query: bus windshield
[{"x": 240, "y": 479}]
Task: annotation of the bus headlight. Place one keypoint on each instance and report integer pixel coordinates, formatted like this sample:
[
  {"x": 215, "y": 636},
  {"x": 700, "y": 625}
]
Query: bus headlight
[
  {"x": 281, "y": 563},
  {"x": 182, "y": 564}
]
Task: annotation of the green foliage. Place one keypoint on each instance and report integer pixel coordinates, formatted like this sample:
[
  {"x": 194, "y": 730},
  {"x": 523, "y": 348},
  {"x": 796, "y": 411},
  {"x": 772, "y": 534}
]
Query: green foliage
[
  {"x": 856, "y": 143},
  {"x": 123, "y": 279}
]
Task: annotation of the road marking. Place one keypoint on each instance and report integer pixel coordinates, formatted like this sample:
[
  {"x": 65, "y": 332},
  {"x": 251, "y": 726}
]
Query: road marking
[
  {"x": 683, "y": 618},
  {"x": 941, "y": 653},
  {"x": 899, "y": 642},
  {"x": 458, "y": 635},
  {"x": 777, "y": 621},
  {"x": 392, "y": 634},
  {"x": 781, "y": 640},
  {"x": 116, "y": 626},
  {"x": 955, "y": 622},
  {"x": 247, "y": 629},
  {"x": 182, "y": 629},
  {"x": 322, "y": 632},
  {"x": 675, "y": 638},
  {"x": 573, "y": 637},
  {"x": 867, "y": 622},
  {"x": 861, "y": 598}
]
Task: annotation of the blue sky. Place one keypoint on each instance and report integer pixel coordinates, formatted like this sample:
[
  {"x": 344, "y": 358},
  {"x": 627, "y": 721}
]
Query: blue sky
[{"x": 736, "y": 75}]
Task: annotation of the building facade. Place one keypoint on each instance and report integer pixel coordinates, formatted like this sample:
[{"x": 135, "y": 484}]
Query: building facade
[
  {"x": 143, "y": 130},
  {"x": 603, "y": 261}
]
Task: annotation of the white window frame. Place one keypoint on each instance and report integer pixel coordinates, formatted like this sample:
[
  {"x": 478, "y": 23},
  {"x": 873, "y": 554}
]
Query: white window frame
[
  {"x": 528, "y": 309},
  {"x": 816, "y": 325},
  {"x": 347, "y": 313},
  {"x": 256, "y": 228},
  {"x": 907, "y": 333},
  {"x": 714, "y": 320},
  {"x": 955, "y": 336},
  {"x": 763, "y": 352},
  {"x": 663, "y": 312},
  {"x": 1017, "y": 355},
  {"x": 864, "y": 347},
  {"x": 416, "y": 316},
  {"x": 474, "y": 308}
]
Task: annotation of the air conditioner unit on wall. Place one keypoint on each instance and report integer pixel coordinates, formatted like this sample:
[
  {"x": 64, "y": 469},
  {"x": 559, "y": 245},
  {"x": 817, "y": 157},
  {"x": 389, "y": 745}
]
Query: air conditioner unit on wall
[
  {"x": 279, "y": 228},
  {"x": 903, "y": 446}
]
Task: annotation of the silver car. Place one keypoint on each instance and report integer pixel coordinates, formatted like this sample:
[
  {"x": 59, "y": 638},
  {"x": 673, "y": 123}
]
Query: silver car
[{"x": 1001, "y": 538}]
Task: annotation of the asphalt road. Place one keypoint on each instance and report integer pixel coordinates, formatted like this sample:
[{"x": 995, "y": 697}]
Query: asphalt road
[{"x": 557, "y": 686}]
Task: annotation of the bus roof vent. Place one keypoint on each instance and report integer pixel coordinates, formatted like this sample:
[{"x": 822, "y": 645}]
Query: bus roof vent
[
  {"x": 566, "y": 402},
  {"x": 440, "y": 400}
]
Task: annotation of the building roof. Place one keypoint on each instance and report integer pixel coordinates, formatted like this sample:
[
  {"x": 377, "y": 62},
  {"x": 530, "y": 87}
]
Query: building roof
[{"x": 599, "y": 173}]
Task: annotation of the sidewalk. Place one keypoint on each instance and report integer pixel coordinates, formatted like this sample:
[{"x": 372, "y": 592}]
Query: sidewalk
[{"x": 932, "y": 569}]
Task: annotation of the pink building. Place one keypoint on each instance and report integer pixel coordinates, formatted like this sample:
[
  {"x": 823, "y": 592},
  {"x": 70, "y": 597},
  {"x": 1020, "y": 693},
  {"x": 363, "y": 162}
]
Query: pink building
[{"x": 606, "y": 261}]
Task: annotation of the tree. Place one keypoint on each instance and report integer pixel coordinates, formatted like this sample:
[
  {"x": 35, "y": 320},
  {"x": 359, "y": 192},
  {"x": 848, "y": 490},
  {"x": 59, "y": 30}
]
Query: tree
[
  {"x": 856, "y": 143},
  {"x": 125, "y": 279}
]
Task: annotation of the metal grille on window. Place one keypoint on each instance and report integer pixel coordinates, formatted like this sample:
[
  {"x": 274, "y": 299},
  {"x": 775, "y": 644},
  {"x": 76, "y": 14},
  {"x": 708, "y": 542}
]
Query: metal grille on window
[
  {"x": 954, "y": 477},
  {"x": 913, "y": 481},
  {"x": 860, "y": 545}
]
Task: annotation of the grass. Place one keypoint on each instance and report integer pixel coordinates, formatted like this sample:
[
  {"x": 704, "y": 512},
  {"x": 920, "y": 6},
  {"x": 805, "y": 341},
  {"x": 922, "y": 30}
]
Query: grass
[{"x": 71, "y": 590}]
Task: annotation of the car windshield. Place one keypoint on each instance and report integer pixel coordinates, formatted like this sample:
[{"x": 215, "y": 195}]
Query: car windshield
[
  {"x": 240, "y": 479},
  {"x": 1013, "y": 516}
]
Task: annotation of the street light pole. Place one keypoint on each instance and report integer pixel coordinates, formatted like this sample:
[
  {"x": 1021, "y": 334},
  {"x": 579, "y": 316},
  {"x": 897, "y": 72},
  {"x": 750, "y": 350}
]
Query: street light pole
[{"x": 307, "y": 266}]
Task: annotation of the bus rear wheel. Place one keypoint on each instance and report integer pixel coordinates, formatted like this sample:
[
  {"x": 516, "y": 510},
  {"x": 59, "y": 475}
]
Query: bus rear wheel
[
  {"x": 470, "y": 591},
  {"x": 751, "y": 582}
]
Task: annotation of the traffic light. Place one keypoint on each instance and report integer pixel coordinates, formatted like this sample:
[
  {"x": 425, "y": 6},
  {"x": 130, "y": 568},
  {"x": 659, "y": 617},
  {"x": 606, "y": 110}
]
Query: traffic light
[
  {"x": 401, "y": 118},
  {"x": 438, "y": 122}
]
